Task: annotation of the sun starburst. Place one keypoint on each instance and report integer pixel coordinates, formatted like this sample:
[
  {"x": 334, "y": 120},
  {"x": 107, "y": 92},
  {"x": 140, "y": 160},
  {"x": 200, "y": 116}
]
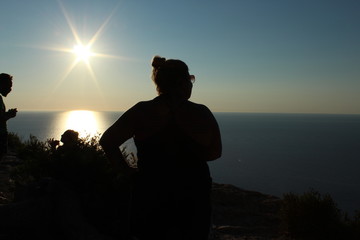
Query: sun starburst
[{"x": 82, "y": 52}]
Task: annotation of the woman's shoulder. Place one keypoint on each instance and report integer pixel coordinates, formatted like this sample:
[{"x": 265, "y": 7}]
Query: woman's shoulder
[
  {"x": 197, "y": 107},
  {"x": 142, "y": 108},
  {"x": 155, "y": 105},
  {"x": 142, "y": 105},
  {"x": 196, "y": 110}
]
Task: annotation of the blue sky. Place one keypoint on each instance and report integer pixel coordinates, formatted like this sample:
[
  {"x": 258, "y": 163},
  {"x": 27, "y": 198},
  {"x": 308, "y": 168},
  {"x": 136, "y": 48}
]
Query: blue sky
[{"x": 247, "y": 55}]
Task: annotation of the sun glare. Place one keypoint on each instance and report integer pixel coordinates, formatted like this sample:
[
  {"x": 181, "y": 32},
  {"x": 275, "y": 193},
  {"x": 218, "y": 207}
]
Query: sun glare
[
  {"x": 82, "y": 121},
  {"x": 82, "y": 53}
]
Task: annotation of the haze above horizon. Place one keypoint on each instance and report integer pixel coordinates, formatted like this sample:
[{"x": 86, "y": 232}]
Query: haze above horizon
[{"x": 248, "y": 56}]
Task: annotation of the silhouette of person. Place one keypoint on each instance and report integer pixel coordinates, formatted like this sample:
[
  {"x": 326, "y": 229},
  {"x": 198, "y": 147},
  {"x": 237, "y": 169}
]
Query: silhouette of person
[
  {"x": 69, "y": 138},
  {"x": 66, "y": 165},
  {"x": 5, "y": 89},
  {"x": 175, "y": 138}
]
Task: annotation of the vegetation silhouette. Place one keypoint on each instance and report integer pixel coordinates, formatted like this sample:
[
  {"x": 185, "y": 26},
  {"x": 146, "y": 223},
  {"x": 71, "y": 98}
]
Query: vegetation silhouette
[
  {"x": 313, "y": 215},
  {"x": 69, "y": 193}
]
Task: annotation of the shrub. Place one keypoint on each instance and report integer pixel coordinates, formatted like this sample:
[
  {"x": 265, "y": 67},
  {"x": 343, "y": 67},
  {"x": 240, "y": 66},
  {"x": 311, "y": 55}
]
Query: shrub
[
  {"x": 311, "y": 216},
  {"x": 85, "y": 166},
  {"x": 352, "y": 226},
  {"x": 83, "y": 173},
  {"x": 15, "y": 143},
  {"x": 34, "y": 156}
]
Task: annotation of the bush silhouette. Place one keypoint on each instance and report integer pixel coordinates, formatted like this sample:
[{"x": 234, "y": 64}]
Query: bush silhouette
[
  {"x": 311, "y": 216},
  {"x": 85, "y": 171}
]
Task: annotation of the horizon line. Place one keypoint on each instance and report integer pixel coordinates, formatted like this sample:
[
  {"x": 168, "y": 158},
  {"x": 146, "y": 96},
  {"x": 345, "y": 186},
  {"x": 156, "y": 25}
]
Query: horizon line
[{"x": 225, "y": 112}]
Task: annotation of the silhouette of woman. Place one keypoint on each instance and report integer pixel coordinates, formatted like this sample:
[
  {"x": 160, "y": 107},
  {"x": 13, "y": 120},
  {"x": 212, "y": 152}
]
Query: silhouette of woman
[
  {"x": 69, "y": 138},
  {"x": 5, "y": 89},
  {"x": 174, "y": 138}
]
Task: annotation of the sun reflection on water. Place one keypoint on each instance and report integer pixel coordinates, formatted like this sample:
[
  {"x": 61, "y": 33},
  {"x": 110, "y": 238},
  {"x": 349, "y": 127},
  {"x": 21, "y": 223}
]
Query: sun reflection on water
[{"x": 83, "y": 121}]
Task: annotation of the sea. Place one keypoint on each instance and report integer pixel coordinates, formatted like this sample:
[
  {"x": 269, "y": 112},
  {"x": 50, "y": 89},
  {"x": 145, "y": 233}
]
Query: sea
[{"x": 270, "y": 153}]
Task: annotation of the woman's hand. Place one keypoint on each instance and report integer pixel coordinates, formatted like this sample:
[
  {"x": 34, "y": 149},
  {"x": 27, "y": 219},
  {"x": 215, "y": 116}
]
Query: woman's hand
[
  {"x": 12, "y": 112},
  {"x": 53, "y": 143}
]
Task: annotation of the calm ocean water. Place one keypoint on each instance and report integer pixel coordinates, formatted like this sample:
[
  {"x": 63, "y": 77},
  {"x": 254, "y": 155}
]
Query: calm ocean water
[{"x": 270, "y": 153}]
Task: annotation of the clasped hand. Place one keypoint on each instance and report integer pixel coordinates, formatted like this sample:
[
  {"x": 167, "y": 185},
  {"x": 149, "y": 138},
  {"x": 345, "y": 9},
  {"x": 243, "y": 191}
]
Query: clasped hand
[{"x": 12, "y": 112}]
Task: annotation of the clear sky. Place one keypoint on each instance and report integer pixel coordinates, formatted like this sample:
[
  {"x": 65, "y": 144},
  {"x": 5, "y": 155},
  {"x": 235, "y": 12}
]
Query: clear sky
[{"x": 298, "y": 56}]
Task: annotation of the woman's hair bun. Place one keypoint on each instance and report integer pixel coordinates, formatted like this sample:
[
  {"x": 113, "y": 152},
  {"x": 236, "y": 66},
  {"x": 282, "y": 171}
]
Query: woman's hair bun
[{"x": 158, "y": 61}]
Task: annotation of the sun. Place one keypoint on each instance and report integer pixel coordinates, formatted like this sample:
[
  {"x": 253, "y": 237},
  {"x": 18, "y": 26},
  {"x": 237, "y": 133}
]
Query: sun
[{"x": 82, "y": 52}]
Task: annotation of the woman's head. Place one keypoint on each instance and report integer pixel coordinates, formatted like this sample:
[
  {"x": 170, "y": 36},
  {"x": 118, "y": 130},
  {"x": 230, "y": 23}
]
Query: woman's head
[
  {"x": 70, "y": 137},
  {"x": 172, "y": 77},
  {"x": 5, "y": 84}
]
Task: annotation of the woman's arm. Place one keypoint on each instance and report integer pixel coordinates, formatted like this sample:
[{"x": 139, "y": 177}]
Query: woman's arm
[
  {"x": 117, "y": 134},
  {"x": 200, "y": 124},
  {"x": 215, "y": 148}
]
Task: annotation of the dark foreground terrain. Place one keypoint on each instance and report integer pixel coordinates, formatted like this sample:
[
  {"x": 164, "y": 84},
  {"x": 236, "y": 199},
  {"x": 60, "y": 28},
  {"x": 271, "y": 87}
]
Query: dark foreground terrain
[{"x": 237, "y": 213}]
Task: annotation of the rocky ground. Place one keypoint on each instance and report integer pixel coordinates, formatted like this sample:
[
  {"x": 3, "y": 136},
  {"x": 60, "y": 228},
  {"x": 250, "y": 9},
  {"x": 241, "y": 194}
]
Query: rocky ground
[
  {"x": 242, "y": 214},
  {"x": 237, "y": 214}
]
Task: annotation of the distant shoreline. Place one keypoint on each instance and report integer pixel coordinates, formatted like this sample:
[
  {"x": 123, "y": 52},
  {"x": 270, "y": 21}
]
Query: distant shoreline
[{"x": 215, "y": 112}]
